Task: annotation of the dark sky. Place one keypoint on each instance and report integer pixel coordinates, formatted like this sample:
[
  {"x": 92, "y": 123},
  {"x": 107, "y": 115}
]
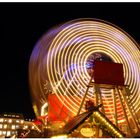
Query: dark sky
[{"x": 21, "y": 26}]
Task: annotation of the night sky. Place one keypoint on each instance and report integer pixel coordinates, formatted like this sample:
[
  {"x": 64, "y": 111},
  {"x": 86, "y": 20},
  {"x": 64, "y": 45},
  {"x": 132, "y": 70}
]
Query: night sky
[{"x": 21, "y": 26}]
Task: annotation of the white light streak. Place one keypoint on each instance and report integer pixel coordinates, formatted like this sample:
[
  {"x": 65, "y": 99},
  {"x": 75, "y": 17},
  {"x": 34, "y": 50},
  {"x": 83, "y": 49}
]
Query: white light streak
[{"x": 74, "y": 42}]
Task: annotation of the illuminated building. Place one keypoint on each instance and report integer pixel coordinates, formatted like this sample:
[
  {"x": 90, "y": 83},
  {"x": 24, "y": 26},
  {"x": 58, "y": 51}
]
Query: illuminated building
[
  {"x": 59, "y": 66},
  {"x": 10, "y": 123},
  {"x": 86, "y": 130}
]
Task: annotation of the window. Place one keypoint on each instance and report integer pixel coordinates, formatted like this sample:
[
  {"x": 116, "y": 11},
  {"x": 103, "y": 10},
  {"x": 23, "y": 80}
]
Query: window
[
  {"x": 4, "y": 132},
  {"x": 22, "y": 121},
  {"x": 1, "y": 125},
  {"x": 5, "y": 126},
  {"x": 0, "y": 132},
  {"x": 8, "y": 133},
  {"x": 9, "y": 120},
  {"x": 1, "y": 120},
  {"x": 17, "y": 121},
  {"x": 13, "y": 126},
  {"x": 17, "y": 126}
]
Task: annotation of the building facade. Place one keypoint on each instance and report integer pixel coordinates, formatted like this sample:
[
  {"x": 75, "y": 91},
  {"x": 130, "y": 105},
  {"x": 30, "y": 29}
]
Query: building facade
[{"x": 10, "y": 123}]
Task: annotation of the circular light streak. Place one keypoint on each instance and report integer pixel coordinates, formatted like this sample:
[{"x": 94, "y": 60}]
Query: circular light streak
[{"x": 61, "y": 55}]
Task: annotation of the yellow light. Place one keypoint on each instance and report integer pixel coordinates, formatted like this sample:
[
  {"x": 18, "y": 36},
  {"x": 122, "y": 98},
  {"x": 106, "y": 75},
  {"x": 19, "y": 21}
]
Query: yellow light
[
  {"x": 36, "y": 110},
  {"x": 103, "y": 119},
  {"x": 113, "y": 129},
  {"x": 107, "y": 123},
  {"x": 120, "y": 136},
  {"x": 25, "y": 127},
  {"x": 121, "y": 121},
  {"x": 5, "y": 126},
  {"x": 87, "y": 132},
  {"x": 9, "y": 120},
  {"x": 97, "y": 114},
  {"x": 1, "y": 120},
  {"x": 109, "y": 126},
  {"x": 115, "y": 132}
]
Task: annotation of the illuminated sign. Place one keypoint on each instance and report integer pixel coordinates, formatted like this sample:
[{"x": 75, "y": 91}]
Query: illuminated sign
[{"x": 87, "y": 132}]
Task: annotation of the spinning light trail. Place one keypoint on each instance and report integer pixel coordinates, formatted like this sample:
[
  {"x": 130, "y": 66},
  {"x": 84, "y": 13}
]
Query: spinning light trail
[{"x": 61, "y": 56}]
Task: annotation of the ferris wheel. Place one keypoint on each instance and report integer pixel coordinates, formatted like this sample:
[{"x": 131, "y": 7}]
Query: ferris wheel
[{"x": 62, "y": 58}]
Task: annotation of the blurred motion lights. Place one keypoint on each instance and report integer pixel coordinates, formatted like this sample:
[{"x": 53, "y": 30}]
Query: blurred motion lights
[{"x": 58, "y": 63}]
